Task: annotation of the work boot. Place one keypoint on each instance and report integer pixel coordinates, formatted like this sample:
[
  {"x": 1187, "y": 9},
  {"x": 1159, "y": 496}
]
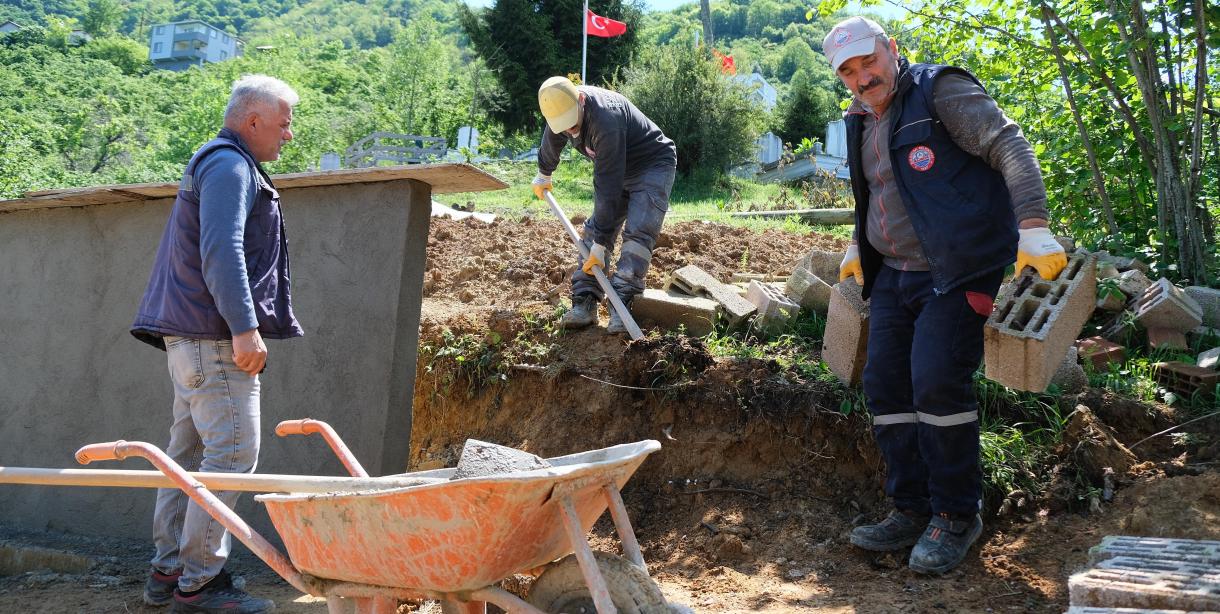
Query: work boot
[
  {"x": 944, "y": 544},
  {"x": 582, "y": 313},
  {"x": 616, "y": 326},
  {"x": 159, "y": 588},
  {"x": 219, "y": 596},
  {"x": 897, "y": 531}
]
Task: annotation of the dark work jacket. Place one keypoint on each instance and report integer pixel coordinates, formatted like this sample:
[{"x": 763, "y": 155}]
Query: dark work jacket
[
  {"x": 959, "y": 206},
  {"x": 177, "y": 301}
]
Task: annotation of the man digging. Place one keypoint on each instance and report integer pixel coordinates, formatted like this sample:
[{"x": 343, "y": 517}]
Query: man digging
[{"x": 633, "y": 172}]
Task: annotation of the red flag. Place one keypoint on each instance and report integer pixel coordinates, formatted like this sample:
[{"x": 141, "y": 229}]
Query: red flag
[{"x": 603, "y": 26}]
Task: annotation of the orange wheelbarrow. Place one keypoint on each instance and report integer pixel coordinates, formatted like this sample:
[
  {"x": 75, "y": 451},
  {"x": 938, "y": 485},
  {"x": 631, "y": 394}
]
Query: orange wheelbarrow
[{"x": 447, "y": 540}]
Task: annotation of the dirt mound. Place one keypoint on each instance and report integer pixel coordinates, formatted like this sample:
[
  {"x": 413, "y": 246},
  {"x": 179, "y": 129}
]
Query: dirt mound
[{"x": 760, "y": 478}]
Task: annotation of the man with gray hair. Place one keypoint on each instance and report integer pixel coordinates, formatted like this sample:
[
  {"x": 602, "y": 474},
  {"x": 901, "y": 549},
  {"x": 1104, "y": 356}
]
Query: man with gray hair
[
  {"x": 948, "y": 193},
  {"x": 219, "y": 286}
]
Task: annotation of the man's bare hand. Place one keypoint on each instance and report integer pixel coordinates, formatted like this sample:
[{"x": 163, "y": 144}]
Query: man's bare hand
[{"x": 249, "y": 351}]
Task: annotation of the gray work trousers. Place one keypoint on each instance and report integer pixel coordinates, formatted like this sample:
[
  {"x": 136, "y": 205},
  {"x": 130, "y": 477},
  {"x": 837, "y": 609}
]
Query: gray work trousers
[{"x": 639, "y": 212}]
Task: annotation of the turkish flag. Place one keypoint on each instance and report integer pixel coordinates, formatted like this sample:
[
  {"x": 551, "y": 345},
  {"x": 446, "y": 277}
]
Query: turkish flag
[{"x": 603, "y": 26}]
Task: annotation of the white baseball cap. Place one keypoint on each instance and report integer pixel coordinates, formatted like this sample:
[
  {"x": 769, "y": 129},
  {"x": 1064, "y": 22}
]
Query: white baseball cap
[{"x": 851, "y": 38}]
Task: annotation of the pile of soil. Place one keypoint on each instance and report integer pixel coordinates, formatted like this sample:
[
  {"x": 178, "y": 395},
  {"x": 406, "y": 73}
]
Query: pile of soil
[{"x": 747, "y": 506}]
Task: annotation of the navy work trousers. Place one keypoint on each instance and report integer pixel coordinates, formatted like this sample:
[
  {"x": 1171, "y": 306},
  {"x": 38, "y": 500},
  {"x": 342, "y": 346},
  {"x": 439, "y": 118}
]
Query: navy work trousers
[
  {"x": 923, "y": 350},
  {"x": 639, "y": 212}
]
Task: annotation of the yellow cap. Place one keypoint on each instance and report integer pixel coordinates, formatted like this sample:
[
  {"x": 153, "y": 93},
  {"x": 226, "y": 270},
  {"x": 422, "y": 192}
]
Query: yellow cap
[{"x": 559, "y": 100}]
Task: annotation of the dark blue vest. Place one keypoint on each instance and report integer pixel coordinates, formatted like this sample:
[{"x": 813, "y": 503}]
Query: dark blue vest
[
  {"x": 959, "y": 205},
  {"x": 177, "y": 301}
]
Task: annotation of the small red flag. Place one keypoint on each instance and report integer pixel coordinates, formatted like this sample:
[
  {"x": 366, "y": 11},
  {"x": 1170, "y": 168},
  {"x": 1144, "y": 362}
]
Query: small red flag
[{"x": 603, "y": 26}]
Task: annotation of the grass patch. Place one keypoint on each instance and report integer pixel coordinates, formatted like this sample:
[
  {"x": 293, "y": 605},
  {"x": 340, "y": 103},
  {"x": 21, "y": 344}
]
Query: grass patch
[{"x": 702, "y": 196}]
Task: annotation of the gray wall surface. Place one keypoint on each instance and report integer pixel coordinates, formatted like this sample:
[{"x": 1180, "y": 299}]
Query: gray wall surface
[{"x": 71, "y": 373}]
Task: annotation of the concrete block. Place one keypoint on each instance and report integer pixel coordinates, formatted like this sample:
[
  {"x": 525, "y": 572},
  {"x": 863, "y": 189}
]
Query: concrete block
[
  {"x": 1036, "y": 321},
  {"x": 823, "y": 264},
  {"x": 697, "y": 282},
  {"x": 845, "y": 345},
  {"x": 1164, "y": 305},
  {"x": 1070, "y": 377},
  {"x": 1107, "y": 270},
  {"x": 1202, "y": 552},
  {"x": 808, "y": 290},
  {"x": 1209, "y": 359},
  {"x": 1133, "y": 283},
  {"x": 1078, "y": 609},
  {"x": 1185, "y": 380},
  {"x": 1209, "y": 301},
  {"x": 1139, "y": 583},
  {"x": 1148, "y": 589},
  {"x": 1100, "y": 352},
  {"x": 669, "y": 310},
  {"x": 774, "y": 309},
  {"x": 746, "y": 278},
  {"x": 1112, "y": 302},
  {"x": 1132, "y": 264},
  {"x": 1166, "y": 339},
  {"x": 1067, "y": 243}
]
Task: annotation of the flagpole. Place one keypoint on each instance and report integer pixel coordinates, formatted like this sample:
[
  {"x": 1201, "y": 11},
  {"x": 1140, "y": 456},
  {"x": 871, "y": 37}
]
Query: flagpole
[{"x": 584, "y": 46}]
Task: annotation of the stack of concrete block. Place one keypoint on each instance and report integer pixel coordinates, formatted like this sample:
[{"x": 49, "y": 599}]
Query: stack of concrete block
[
  {"x": 774, "y": 309},
  {"x": 1149, "y": 574},
  {"x": 746, "y": 278},
  {"x": 695, "y": 281},
  {"x": 669, "y": 310},
  {"x": 1026, "y": 337},
  {"x": 1164, "y": 305},
  {"x": 1100, "y": 353},
  {"x": 1208, "y": 300},
  {"x": 1185, "y": 380},
  {"x": 1133, "y": 283},
  {"x": 845, "y": 346},
  {"x": 808, "y": 290}
]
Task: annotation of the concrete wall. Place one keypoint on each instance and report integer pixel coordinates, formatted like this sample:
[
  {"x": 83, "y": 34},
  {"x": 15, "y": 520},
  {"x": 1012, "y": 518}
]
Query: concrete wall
[{"x": 70, "y": 373}]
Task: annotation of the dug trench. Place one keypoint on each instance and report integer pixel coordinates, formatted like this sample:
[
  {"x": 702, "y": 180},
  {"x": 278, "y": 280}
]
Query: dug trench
[{"x": 747, "y": 506}]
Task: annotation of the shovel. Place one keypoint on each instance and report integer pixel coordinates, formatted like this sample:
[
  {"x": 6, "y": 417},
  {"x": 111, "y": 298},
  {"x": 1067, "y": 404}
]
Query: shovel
[{"x": 629, "y": 322}]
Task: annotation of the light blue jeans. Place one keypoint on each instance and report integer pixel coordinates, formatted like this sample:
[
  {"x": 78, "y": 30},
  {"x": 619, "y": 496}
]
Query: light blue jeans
[{"x": 216, "y": 429}]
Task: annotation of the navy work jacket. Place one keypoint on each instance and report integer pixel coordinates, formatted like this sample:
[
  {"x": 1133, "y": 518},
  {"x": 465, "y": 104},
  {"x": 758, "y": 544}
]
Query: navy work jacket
[
  {"x": 177, "y": 301},
  {"x": 959, "y": 206}
]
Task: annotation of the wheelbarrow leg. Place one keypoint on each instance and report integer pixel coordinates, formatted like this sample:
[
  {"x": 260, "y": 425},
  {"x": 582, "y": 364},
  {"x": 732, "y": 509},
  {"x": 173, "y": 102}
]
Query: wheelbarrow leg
[
  {"x": 451, "y": 606},
  {"x": 622, "y": 524},
  {"x": 338, "y": 605},
  {"x": 584, "y": 556}
]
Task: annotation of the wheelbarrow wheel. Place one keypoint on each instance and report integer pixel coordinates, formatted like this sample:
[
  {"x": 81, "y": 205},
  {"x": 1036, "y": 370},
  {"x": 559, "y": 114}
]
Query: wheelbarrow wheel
[{"x": 561, "y": 589}]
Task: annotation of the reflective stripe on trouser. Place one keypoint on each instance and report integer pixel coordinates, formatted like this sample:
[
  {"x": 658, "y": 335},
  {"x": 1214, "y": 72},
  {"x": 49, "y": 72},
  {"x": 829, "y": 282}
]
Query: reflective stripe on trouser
[
  {"x": 923, "y": 350},
  {"x": 640, "y": 213},
  {"x": 216, "y": 429}
]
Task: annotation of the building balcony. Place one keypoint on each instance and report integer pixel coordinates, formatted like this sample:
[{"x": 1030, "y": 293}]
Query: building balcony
[{"x": 198, "y": 37}]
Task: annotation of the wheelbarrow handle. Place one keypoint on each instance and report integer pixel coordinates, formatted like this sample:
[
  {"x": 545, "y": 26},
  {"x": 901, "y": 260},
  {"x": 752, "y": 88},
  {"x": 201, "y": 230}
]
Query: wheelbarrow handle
[
  {"x": 111, "y": 450},
  {"x": 193, "y": 488},
  {"x": 309, "y": 426}
]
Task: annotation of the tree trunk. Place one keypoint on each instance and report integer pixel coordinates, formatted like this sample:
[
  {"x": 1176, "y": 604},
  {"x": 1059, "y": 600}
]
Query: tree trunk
[
  {"x": 1173, "y": 199},
  {"x": 1098, "y": 181},
  {"x": 705, "y": 15}
]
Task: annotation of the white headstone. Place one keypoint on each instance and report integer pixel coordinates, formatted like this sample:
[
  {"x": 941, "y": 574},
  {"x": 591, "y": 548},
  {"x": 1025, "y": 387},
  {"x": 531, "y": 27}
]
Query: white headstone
[
  {"x": 836, "y": 139},
  {"x": 770, "y": 148},
  {"x": 468, "y": 137},
  {"x": 330, "y": 161}
]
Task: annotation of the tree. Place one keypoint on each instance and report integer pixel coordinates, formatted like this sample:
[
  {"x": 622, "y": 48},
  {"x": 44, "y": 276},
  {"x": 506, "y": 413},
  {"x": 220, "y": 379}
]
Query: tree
[
  {"x": 523, "y": 42},
  {"x": 710, "y": 117},
  {"x": 810, "y": 104},
  {"x": 1116, "y": 97},
  {"x": 102, "y": 18}
]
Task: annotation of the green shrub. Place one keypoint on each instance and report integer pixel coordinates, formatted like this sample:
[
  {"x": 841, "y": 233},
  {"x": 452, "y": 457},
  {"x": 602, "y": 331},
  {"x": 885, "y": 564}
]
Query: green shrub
[{"x": 709, "y": 116}]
